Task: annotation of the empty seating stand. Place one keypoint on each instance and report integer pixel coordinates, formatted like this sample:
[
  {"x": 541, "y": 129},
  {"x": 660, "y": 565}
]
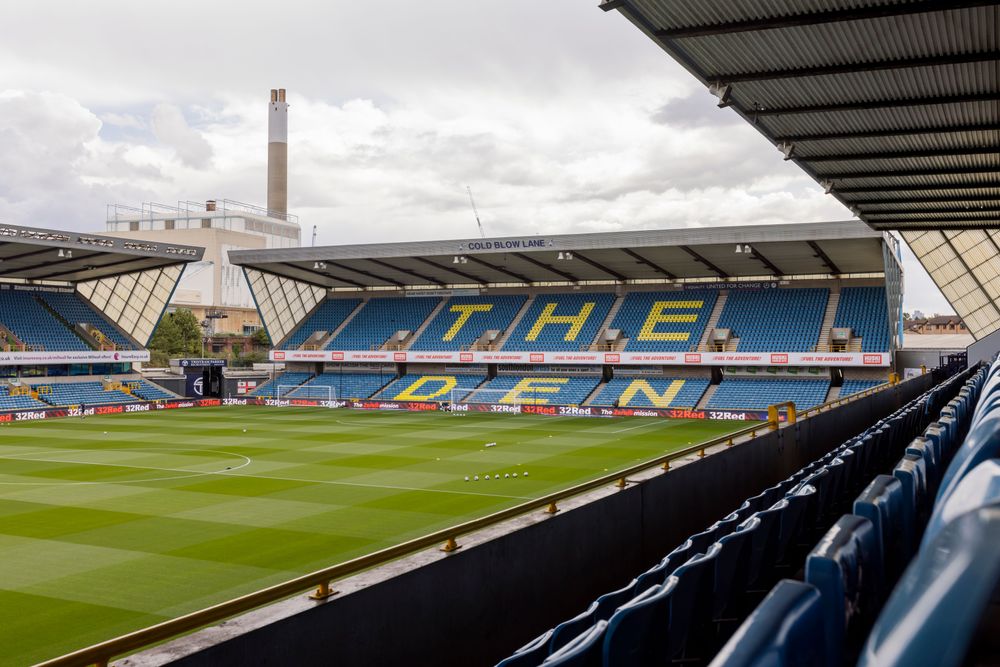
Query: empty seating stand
[
  {"x": 539, "y": 390},
  {"x": 648, "y": 392},
  {"x": 81, "y": 393},
  {"x": 329, "y": 386},
  {"x": 560, "y": 322},
  {"x": 442, "y": 388},
  {"x": 865, "y": 311},
  {"x": 773, "y": 320},
  {"x": 379, "y": 319},
  {"x": 283, "y": 383},
  {"x": 758, "y": 393},
  {"x": 464, "y": 319},
  {"x": 19, "y": 402},
  {"x": 75, "y": 311},
  {"x": 664, "y": 321},
  {"x": 148, "y": 391},
  {"x": 327, "y": 317},
  {"x": 709, "y": 597},
  {"x": 855, "y": 386},
  {"x": 34, "y": 325}
]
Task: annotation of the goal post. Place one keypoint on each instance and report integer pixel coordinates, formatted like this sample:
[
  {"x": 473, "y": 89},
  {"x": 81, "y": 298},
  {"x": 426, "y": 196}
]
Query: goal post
[
  {"x": 487, "y": 395},
  {"x": 319, "y": 392}
]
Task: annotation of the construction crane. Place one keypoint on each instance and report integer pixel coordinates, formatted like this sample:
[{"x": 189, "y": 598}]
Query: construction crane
[{"x": 475, "y": 211}]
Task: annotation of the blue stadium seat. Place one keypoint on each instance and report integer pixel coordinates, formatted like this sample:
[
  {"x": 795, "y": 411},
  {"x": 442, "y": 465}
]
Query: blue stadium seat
[
  {"x": 281, "y": 383},
  {"x": 532, "y": 333},
  {"x": 850, "y": 387},
  {"x": 786, "y": 630},
  {"x": 72, "y": 308},
  {"x": 326, "y": 317},
  {"x": 636, "y": 632},
  {"x": 82, "y": 393},
  {"x": 531, "y": 654},
  {"x": 882, "y": 503},
  {"x": 845, "y": 568},
  {"x": 775, "y": 320},
  {"x": 911, "y": 471},
  {"x": 634, "y": 392},
  {"x": 934, "y": 611},
  {"x": 583, "y": 651},
  {"x": 759, "y": 393},
  {"x": 691, "y": 603},
  {"x": 543, "y": 389},
  {"x": 148, "y": 391},
  {"x": 432, "y": 387},
  {"x": 571, "y": 628},
  {"x": 865, "y": 310},
  {"x": 340, "y": 386},
  {"x": 664, "y": 321},
  {"x": 379, "y": 319},
  {"x": 19, "y": 402},
  {"x": 24, "y": 315},
  {"x": 439, "y": 334}
]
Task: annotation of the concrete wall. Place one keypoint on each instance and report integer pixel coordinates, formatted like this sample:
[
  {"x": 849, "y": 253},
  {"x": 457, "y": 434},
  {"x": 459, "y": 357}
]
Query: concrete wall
[
  {"x": 475, "y": 606},
  {"x": 985, "y": 348}
]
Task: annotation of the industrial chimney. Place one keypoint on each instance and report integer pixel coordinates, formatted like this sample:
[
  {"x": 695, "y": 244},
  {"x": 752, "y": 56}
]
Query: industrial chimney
[{"x": 277, "y": 154}]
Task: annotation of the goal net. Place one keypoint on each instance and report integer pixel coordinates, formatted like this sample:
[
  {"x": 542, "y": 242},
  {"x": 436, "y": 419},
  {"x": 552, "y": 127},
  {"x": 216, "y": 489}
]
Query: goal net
[
  {"x": 499, "y": 396},
  {"x": 319, "y": 392}
]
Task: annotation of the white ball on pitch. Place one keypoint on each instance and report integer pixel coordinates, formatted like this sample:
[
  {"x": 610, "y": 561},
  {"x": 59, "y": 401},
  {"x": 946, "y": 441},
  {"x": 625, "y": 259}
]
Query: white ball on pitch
[
  {"x": 506, "y": 475},
  {"x": 515, "y": 474},
  {"x": 466, "y": 478},
  {"x": 244, "y": 430},
  {"x": 476, "y": 478},
  {"x": 486, "y": 476},
  {"x": 525, "y": 474}
]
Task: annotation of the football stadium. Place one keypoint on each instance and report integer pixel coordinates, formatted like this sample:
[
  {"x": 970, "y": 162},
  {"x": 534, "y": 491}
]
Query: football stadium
[{"x": 704, "y": 446}]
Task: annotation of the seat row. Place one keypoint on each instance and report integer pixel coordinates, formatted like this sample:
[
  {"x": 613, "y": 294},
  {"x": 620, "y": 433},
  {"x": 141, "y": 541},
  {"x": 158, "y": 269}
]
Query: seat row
[
  {"x": 686, "y": 606},
  {"x": 824, "y": 619}
]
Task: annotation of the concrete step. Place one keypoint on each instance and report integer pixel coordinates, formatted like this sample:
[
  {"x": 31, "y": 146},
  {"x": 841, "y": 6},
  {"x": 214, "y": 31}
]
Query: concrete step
[{"x": 513, "y": 323}]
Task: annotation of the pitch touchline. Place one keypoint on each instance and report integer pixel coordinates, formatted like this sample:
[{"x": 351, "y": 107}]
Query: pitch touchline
[{"x": 231, "y": 473}]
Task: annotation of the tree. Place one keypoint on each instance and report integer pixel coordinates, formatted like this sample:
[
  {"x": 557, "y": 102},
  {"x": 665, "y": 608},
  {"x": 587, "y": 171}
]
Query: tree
[
  {"x": 259, "y": 338},
  {"x": 177, "y": 334}
]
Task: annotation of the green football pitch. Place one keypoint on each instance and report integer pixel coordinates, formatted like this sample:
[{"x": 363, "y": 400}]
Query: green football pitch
[{"x": 110, "y": 524}]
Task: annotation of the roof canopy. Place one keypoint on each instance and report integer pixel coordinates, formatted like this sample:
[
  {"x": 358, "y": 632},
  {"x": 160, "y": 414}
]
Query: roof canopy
[
  {"x": 839, "y": 248},
  {"x": 30, "y": 253},
  {"x": 892, "y": 105}
]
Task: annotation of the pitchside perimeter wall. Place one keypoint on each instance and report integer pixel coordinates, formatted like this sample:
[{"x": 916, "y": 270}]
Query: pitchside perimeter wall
[{"x": 478, "y": 604}]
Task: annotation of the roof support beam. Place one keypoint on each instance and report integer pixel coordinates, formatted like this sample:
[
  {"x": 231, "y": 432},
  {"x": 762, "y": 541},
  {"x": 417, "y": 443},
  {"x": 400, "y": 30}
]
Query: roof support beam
[
  {"x": 756, "y": 254},
  {"x": 600, "y": 267},
  {"x": 699, "y": 258},
  {"x": 850, "y": 68},
  {"x": 89, "y": 267},
  {"x": 899, "y": 155},
  {"x": 917, "y": 187},
  {"x": 322, "y": 274},
  {"x": 836, "y": 107},
  {"x": 834, "y": 269},
  {"x": 903, "y": 173},
  {"x": 543, "y": 265},
  {"x": 361, "y": 272},
  {"x": 814, "y": 18},
  {"x": 649, "y": 263},
  {"x": 389, "y": 266},
  {"x": 923, "y": 200},
  {"x": 933, "y": 225},
  {"x": 954, "y": 210},
  {"x": 499, "y": 269},
  {"x": 896, "y": 132},
  {"x": 445, "y": 267},
  {"x": 51, "y": 264}
]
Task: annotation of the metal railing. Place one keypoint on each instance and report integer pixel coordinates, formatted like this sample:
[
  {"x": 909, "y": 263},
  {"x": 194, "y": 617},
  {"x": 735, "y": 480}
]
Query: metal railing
[{"x": 446, "y": 540}]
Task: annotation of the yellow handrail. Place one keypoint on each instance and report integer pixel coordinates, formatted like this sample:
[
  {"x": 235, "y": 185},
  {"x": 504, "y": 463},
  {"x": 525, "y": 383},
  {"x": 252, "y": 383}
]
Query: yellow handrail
[{"x": 447, "y": 540}]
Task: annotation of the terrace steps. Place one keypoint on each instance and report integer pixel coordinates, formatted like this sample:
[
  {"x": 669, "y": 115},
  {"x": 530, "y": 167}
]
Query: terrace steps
[
  {"x": 517, "y": 320},
  {"x": 612, "y": 313},
  {"x": 594, "y": 394},
  {"x": 426, "y": 323},
  {"x": 833, "y": 394},
  {"x": 713, "y": 319},
  {"x": 828, "y": 318},
  {"x": 347, "y": 320},
  {"x": 706, "y": 397},
  {"x": 62, "y": 320}
]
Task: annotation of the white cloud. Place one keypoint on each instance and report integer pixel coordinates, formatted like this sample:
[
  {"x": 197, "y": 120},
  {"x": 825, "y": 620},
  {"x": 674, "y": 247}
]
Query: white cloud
[
  {"x": 172, "y": 130},
  {"x": 569, "y": 121}
]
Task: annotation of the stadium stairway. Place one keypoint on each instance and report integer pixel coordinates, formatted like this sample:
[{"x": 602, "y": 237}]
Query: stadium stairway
[
  {"x": 515, "y": 322},
  {"x": 426, "y": 323},
  {"x": 612, "y": 313},
  {"x": 270, "y": 388},
  {"x": 707, "y": 396},
  {"x": 713, "y": 319},
  {"x": 828, "y": 317},
  {"x": 694, "y": 601}
]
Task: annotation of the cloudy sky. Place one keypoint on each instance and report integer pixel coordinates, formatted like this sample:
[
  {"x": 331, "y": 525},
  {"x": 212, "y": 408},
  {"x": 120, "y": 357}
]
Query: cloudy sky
[{"x": 560, "y": 117}]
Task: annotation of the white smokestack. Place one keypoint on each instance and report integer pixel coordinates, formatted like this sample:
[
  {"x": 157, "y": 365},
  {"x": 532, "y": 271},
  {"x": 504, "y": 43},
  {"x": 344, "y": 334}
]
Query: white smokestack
[{"x": 277, "y": 153}]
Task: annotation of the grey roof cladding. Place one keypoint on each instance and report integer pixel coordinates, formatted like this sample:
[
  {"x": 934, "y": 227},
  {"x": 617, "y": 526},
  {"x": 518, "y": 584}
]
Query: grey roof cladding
[{"x": 873, "y": 93}]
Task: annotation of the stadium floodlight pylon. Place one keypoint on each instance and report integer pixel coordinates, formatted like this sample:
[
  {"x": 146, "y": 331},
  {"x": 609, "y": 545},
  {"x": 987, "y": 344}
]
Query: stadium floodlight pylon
[{"x": 319, "y": 392}]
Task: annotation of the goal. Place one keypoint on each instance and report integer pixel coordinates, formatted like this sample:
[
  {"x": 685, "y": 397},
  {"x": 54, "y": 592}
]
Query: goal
[
  {"x": 319, "y": 392},
  {"x": 487, "y": 395}
]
